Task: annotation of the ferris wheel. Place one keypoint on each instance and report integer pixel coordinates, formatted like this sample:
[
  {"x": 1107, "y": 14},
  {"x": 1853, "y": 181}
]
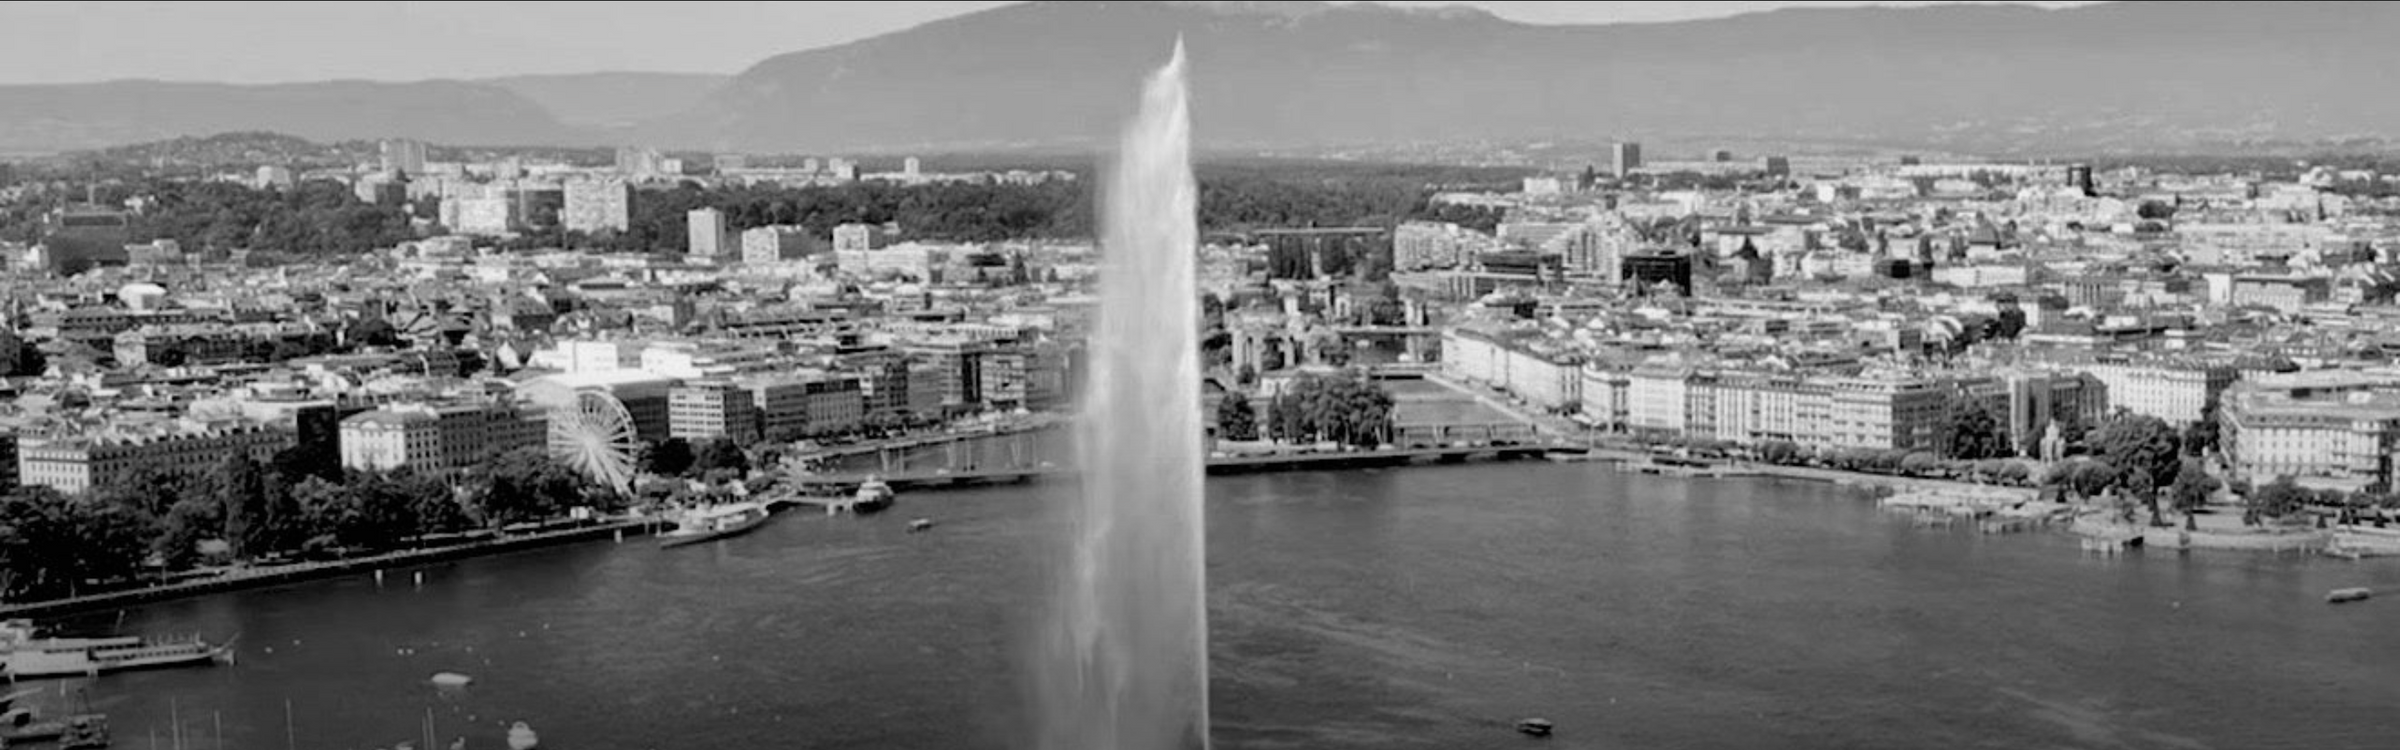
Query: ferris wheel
[{"x": 595, "y": 436}]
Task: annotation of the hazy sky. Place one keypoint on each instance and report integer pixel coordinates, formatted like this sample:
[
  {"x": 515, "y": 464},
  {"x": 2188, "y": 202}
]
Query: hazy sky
[{"x": 255, "y": 42}]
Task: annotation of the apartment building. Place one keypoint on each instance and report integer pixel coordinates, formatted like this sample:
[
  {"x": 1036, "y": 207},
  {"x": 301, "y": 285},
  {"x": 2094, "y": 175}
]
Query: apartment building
[
  {"x": 75, "y": 463},
  {"x": 438, "y": 436},
  {"x": 2334, "y": 430},
  {"x": 712, "y": 410}
]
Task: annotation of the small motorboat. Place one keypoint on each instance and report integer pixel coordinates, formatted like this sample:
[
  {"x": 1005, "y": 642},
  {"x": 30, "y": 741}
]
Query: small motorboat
[
  {"x": 451, "y": 680},
  {"x": 1534, "y": 727},
  {"x": 2345, "y": 596},
  {"x": 521, "y": 737},
  {"x": 920, "y": 524}
]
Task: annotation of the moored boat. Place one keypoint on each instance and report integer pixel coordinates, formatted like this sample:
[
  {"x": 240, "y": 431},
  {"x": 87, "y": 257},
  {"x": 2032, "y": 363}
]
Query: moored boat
[
  {"x": 68, "y": 733},
  {"x": 31, "y": 656},
  {"x": 2344, "y": 596},
  {"x": 873, "y": 496},
  {"x": 719, "y": 522}
]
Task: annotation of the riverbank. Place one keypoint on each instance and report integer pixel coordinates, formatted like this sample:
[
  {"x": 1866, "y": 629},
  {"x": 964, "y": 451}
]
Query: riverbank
[{"x": 273, "y": 575}]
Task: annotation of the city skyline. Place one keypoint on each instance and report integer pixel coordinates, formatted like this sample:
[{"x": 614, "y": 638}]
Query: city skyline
[
  {"x": 1172, "y": 375},
  {"x": 257, "y": 43}
]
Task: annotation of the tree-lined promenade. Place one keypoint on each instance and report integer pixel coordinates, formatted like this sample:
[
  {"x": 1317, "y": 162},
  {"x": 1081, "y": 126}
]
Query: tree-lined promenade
[{"x": 142, "y": 529}]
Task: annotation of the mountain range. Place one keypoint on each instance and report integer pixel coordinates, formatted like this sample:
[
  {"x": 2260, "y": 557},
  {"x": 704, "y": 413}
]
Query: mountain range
[{"x": 2112, "y": 76}]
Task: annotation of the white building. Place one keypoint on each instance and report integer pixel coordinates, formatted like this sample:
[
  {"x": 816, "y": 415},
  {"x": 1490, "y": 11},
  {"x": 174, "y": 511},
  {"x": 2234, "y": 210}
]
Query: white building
[
  {"x": 777, "y": 244},
  {"x": 857, "y": 237},
  {"x": 2180, "y": 393},
  {"x": 486, "y": 217},
  {"x": 403, "y": 156},
  {"x": 598, "y": 205},
  {"x": 438, "y": 437},
  {"x": 76, "y": 463},
  {"x": 707, "y": 233}
]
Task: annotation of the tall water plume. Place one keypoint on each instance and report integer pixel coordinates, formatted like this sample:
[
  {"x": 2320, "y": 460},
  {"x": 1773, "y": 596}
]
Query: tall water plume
[{"x": 1123, "y": 662}]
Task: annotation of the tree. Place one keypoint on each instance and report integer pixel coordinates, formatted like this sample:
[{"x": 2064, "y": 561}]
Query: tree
[
  {"x": 1781, "y": 452},
  {"x": 1236, "y": 419},
  {"x": 307, "y": 459},
  {"x": 670, "y": 457},
  {"x": 2277, "y": 499},
  {"x": 324, "y": 509},
  {"x": 1246, "y": 375},
  {"x": 1973, "y": 433},
  {"x": 529, "y": 485},
  {"x": 191, "y": 521},
  {"x": 109, "y": 541},
  {"x": 2140, "y": 443},
  {"x": 238, "y": 486},
  {"x": 2192, "y": 488},
  {"x": 720, "y": 453},
  {"x": 434, "y": 505},
  {"x": 2141, "y": 490},
  {"x": 2090, "y": 478},
  {"x": 37, "y": 543},
  {"x": 1347, "y": 410},
  {"x": 149, "y": 492},
  {"x": 1917, "y": 463},
  {"x": 2200, "y": 437}
]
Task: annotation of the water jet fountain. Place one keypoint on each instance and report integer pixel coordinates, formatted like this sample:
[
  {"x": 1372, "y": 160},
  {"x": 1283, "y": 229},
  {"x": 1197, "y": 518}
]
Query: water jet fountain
[{"x": 1123, "y": 658}]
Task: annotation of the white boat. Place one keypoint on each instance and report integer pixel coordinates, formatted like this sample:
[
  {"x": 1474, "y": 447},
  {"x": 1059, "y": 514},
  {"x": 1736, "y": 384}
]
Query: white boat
[
  {"x": 521, "y": 737},
  {"x": 30, "y": 655},
  {"x": 872, "y": 496},
  {"x": 716, "y": 522}
]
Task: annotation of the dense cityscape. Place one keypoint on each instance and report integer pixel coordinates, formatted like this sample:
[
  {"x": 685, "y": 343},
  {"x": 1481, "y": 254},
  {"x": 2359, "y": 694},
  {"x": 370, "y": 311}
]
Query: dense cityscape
[
  {"x": 248, "y": 375},
  {"x": 184, "y": 403}
]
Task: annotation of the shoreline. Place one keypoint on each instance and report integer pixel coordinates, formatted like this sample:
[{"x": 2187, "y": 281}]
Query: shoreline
[
  {"x": 2344, "y": 542},
  {"x": 268, "y": 576}
]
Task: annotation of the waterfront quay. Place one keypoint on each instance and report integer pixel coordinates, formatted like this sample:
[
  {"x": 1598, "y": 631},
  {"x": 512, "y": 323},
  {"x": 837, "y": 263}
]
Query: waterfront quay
[
  {"x": 260, "y": 576},
  {"x": 1217, "y": 465}
]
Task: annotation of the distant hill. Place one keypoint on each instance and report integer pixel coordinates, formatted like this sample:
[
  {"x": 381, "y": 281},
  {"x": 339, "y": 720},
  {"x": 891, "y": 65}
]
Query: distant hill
[
  {"x": 612, "y": 100},
  {"x": 2114, "y": 77},
  {"x": 77, "y": 116},
  {"x": 2119, "y": 75}
]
